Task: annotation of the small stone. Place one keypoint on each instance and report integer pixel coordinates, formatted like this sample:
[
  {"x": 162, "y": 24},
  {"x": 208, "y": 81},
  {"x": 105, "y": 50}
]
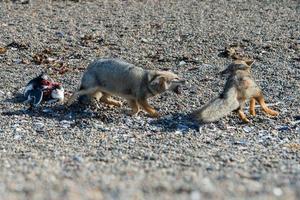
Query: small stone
[
  {"x": 144, "y": 40},
  {"x": 195, "y": 195},
  {"x": 47, "y": 110},
  {"x": 18, "y": 61},
  {"x": 78, "y": 158},
  {"x": 17, "y": 137},
  {"x": 18, "y": 130},
  {"x": 25, "y": 61},
  {"x": 24, "y": 1},
  {"x": 59, "y": 34},
  {"x": 208, "y": 186},
  {"x": 50, "y": 59},
  {"x": 263, "y": 52},
  {"x": 100, "y": 127},
  {"x": 297, "y": 117},
  {"x": 231, "y": 127},
  {"x": 182, "y": 128},
  {"x": 210, "y": 127},
  {"x": 155, "y": 129},
  {"x": 137, "y": 118},
  {"x": 38, "y": 125},
  {"x": 15, "y": 126},
  {"x": 247, "y": 129},
  {"x": 69, "y": 115},
  {"x": 282, "y": 128},
  {"x": 132, "y": 140},
  {"x": 181, "y": 63},
  {"x": 277, "y": 191},
  {"x": 240, "y": 142},
  {"x": 65, "y": 124},
  {"x": 168, "y": 117}
]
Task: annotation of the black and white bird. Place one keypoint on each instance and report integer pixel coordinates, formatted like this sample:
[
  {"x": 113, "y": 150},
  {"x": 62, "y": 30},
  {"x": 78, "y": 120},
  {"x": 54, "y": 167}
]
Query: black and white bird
[{"x": 42, "y": 88}]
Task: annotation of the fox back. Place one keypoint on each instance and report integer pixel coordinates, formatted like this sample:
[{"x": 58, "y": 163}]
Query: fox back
[{"x": 113, "y": 76}]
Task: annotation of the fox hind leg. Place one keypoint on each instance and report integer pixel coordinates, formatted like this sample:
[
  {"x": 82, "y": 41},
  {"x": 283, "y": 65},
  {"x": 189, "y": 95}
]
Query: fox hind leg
[
  {"x": 260, "y": 99},
  {"x": 80, "y": 93},
  {"x": 106, "y": 99},
  {"x": 94, "y": 99},
  {"x": 252, "y": 106}
]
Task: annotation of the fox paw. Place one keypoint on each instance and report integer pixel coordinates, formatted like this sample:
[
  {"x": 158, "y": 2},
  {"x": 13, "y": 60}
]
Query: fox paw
[
  {"x": 253, "y": 113},
  {"x": 115, "y": 104},
  {"x": 154, "y": 115},
  {"x": 273, "y": 113},
  {"x": 118, "y": 104},
  {"x": 245, "y": 120}
]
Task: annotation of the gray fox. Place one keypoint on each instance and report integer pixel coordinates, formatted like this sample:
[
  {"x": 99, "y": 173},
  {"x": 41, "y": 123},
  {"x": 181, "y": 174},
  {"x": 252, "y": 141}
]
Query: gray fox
[
  {"x": 240, "y": 86},
  {"x": 106, "y": 77}
]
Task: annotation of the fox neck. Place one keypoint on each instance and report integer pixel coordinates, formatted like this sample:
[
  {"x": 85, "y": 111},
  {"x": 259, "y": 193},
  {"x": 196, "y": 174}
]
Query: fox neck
[
  {"x": 151, "y": 91},
  {"x": 242, "y": 72},
  {"x": 149, "y": 77}
]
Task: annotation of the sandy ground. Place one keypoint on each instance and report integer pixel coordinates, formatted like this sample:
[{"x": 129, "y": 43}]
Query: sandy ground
[{"x": 53, "y": 152}]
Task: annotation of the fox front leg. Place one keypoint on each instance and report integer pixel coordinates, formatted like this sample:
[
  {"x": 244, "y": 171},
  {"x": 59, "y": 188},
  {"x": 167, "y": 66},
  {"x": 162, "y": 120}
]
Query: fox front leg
[
  {"x": 152, "y": 112},
  {"x": 135, "y": 106},
  {"x": 243, "y": 116},
  {"x": 89, "y": 92},
  {"x": 106, "y": 98},
  {"x": 252, "y": 106}
]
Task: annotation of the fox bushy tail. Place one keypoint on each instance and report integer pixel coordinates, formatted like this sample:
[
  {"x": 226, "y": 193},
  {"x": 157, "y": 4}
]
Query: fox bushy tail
[
  {"x": 218, "y": 107},
  {"x": 83, "y": 99}
]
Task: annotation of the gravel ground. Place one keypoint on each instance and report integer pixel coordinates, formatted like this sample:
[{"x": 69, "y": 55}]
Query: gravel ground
[{"x": 53, "y": 152}]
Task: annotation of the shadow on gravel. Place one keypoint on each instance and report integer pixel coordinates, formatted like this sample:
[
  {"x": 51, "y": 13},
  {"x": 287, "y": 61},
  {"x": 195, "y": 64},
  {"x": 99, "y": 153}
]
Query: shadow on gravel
[
  {"x": 177, "y": 122},
  {"x": 18, "y": 98},
  {"x": 55, "y": 111}
]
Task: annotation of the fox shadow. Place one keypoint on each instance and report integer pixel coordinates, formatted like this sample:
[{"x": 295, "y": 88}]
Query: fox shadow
[
  {"x": 77, "y": 111},
  {"x": 176, "y": 122}
]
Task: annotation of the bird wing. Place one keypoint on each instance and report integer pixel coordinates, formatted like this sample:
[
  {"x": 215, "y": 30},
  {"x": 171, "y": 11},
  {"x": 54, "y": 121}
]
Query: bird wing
[{"x": 37, "y": 96}]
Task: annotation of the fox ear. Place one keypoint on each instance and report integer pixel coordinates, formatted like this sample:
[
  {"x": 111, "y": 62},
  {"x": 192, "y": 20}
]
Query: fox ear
[
  {"x": 249, "y": 62},
  {"x": 228, "y": 69},
  {"x": 158, "y": 81}
]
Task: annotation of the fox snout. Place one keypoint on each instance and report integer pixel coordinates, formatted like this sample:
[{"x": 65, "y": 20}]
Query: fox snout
[
  {"x": 222, "y": 73},
  {"x": 244, "y": 65},
  {"x": 176, "y": 85}
]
